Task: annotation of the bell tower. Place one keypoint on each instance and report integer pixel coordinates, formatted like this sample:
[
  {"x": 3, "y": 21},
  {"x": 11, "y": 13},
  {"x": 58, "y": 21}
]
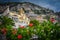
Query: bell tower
[{"x": 21, "y": 11}]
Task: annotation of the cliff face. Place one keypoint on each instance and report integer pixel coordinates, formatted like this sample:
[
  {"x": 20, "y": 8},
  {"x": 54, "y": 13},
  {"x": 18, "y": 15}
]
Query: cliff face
[{"x": 28, "y": 7}]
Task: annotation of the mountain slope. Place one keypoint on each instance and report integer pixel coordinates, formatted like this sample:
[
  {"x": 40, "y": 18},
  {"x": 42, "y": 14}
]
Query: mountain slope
[{"x": 29, "y": 7}]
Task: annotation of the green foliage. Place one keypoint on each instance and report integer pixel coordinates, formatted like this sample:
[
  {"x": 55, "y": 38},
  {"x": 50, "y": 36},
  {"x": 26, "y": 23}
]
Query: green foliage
[
  {"x": 35, "y": 22},
  {"x": 44, "y": 31},
  {"x": 6, "y": 21}
]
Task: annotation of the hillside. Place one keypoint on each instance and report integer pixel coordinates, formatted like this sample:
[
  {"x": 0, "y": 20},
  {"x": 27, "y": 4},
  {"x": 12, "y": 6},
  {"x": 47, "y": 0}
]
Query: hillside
[
  {"x": 30, "y": 7},
  {"x": 14, "y": 6},
  {"x": 32, "y": 10}
]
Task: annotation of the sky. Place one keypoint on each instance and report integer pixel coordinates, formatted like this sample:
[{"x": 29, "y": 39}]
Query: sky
[{"x": 51, "y": 4}]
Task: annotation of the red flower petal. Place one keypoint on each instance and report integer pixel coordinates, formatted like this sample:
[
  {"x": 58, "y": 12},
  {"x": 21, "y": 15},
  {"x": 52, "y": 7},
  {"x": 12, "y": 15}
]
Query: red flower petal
[
  {"x": 4, "y": 31},
  {"x": 19, "y": 36},
  {"x": 31, "y": 24},
  {"x": 52, "y": 20},
  {"x": 21, "y": 26}
]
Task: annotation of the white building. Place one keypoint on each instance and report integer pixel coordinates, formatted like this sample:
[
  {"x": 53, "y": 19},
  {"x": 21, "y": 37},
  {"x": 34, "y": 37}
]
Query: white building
[{"x": 19, "y": 18}]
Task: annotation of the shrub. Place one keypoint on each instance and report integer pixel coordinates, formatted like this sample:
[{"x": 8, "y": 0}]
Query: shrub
[{"x": 45, "y": 31}]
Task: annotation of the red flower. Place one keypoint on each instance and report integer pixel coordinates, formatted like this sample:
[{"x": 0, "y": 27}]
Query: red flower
[
  {"x": 31, "y": 24},
  {"x": 21, "y": 26},
  {"x": 4, "y": 31},
  {"x": 19, "y": 36},
  {"x": 52, "y": 20}
]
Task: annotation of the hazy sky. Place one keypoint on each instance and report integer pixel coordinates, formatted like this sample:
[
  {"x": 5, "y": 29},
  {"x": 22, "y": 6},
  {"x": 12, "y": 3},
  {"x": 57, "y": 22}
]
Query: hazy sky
[{"x": 51, "y": 4}]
